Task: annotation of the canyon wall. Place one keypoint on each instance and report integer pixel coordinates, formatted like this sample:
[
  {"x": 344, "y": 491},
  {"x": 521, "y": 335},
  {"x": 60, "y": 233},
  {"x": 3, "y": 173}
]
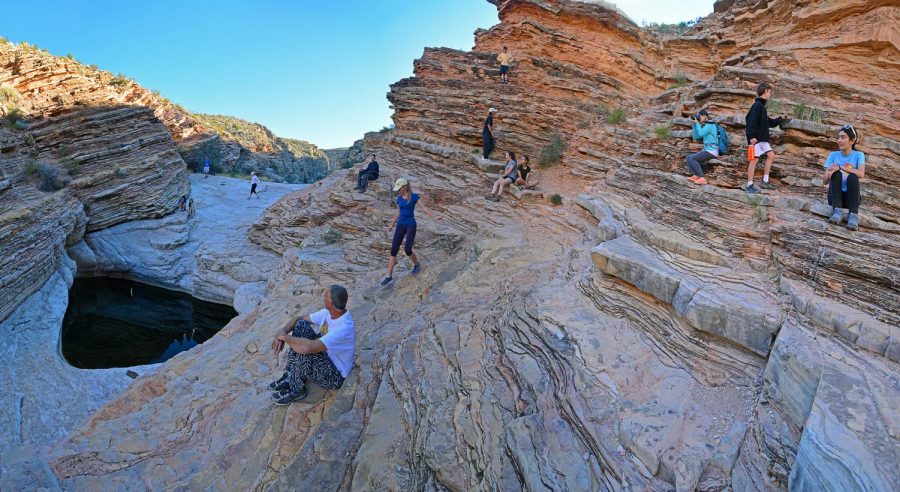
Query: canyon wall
[{"x": 645, "y": 333}]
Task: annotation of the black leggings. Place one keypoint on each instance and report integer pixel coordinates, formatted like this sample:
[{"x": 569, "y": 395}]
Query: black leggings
[
  {"x": 849, "y": 199},
  {"x": 487, "y": 144},
  {"x": 399, "y": 232}
]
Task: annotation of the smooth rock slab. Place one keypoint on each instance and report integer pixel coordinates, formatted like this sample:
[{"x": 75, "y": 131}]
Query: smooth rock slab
[{"x": 721, "y": 307}]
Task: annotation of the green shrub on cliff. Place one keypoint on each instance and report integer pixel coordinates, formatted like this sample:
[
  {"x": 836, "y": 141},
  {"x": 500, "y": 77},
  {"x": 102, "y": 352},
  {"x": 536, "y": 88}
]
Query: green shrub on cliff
[
  {"x": 331, "y": 236},
  {"x": 8, "y": 95},
  {"x": 552, "y": 153},
  {"x": 556, "y": 199},
  {"x": 3, "y": 41},
  {"x": 52, "y": 178},
  {"x": 662, "y": 131},
  {"x": 13, "y": 116},
  {"x": 120, "y": 81},
  {"x": 616, "y": 116}
]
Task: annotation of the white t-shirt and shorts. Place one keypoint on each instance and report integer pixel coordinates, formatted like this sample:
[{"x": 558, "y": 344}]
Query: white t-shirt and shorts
[{"x": 339, "y": 338}]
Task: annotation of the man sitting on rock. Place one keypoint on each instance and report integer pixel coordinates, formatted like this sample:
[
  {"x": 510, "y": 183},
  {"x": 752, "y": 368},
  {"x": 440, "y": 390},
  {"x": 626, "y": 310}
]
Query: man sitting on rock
[
  {"x": 321, "y": 348},
  {"x": 370, "y": 173}
]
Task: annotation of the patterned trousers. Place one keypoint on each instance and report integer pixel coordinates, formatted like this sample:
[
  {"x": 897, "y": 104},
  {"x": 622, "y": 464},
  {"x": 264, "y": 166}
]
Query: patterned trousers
[{"x": 315, "y": 367}]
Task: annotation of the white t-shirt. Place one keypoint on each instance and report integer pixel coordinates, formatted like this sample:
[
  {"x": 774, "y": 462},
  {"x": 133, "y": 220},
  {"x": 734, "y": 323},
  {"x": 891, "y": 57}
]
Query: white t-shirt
[
  {"x": 339, "y": 338},
  {"x": 254, "y": 180}
]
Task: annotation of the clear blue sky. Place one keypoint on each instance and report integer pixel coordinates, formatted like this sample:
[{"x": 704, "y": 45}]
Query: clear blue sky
[{"x": 317, "y": 70}]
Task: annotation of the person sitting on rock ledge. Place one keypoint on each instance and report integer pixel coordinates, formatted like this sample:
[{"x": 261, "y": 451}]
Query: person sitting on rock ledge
[
  {"x": 508, "y": 177},
  {"x": 523, "y": 182},
  {"x": 322, "y": 347},
  {"x": 843, "y": 170},
  {"x": 370, "y": 173},
  {"x": 710, "y": 136}
]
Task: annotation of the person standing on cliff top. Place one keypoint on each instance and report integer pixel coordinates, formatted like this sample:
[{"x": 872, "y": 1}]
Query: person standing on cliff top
[
  {"x": 254, "y": 182},
  {"x": 505, "y": 59},
  {"x": 406, "y": 227},
  {"x": 322, "y": 347},
  {"x": 487, "y": 134},
  {"x": 757, "y": 130},
  {"x": 370, "y": 173}
]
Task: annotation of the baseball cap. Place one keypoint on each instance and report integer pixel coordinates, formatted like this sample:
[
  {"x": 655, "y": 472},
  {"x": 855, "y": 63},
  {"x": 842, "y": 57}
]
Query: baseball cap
[
  {"x": 400, "y": 183},
  {"x": 492, "y": 110}
]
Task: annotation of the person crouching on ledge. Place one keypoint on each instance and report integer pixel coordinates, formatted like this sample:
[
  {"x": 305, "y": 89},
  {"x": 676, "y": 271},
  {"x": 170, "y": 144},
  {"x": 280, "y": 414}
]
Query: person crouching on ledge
[
  {"x": 843, "y": 170},
  {"x": 322, "y": 347}
]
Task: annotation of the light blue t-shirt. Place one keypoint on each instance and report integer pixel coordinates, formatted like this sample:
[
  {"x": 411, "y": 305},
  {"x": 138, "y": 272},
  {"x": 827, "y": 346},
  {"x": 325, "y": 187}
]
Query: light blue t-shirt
[{"x": 856, "y": 158}]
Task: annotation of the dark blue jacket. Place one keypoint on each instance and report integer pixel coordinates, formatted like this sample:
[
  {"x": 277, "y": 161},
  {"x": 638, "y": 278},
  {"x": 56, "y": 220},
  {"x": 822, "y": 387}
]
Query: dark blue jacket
[
  {"x": 758, "y": 121},
  {"x": 372, "y": 170}
]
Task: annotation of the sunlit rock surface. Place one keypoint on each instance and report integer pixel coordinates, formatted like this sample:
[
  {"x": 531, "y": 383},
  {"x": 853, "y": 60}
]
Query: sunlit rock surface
[{"x": 646, "y": 334}]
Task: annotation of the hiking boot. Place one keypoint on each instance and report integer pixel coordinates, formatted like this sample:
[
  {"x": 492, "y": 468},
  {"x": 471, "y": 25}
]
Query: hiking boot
[
  {"x": 749, "y": 188},
  {"x": 416, "y": 269},
  {"x": 767, "y": 185},
  {"x": 386, "y": 281},
  {"x": 287, "y": 397},
  {"x": 700, "y": 181},
  {"x": 836, "y": 216},
  {"x": 281, "y": 384},
  {"x": 853, "y": 222}
]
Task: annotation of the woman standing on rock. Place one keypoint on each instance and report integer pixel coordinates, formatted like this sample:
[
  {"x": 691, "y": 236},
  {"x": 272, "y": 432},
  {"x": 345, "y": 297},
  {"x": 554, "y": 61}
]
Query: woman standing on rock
[
  {"x": 843, "y": 170},
  {"x": 406, "y": 226}
]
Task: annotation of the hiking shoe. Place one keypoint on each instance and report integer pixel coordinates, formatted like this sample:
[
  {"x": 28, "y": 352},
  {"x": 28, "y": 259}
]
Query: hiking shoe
[
  {"x": 386, "y": 281},
  {"x": 416, "y": 269},
  {"x": 701, "y": 181},
  {"x": 836, "y": 217},
  {"x": 853, "y": 222},
  {"x": 766, "y": 185},
  {"x": 750, "y": 188},
  {"x": 287, "y": 397},
  {"x": 281, "y": 384},
  {"x": 693, "y": 178}
]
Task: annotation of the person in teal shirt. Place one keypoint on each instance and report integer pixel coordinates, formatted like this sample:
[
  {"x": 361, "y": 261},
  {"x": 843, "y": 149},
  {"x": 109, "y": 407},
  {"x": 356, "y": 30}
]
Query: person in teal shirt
[
  {"x": 843, "y": 170},
  {"x": 710, "y": 136}
]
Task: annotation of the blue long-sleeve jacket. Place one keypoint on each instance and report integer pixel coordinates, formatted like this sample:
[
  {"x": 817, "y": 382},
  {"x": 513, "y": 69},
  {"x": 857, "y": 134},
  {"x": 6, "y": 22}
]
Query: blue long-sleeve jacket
[{"x": 708, "y": 134}]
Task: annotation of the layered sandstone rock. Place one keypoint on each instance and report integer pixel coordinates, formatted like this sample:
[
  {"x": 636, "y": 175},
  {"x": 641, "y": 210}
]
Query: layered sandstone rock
[
  {"x": 242, "y": 147},
  {"x": 82, "y": 157},
  {"x": 647, "y": 334}
]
